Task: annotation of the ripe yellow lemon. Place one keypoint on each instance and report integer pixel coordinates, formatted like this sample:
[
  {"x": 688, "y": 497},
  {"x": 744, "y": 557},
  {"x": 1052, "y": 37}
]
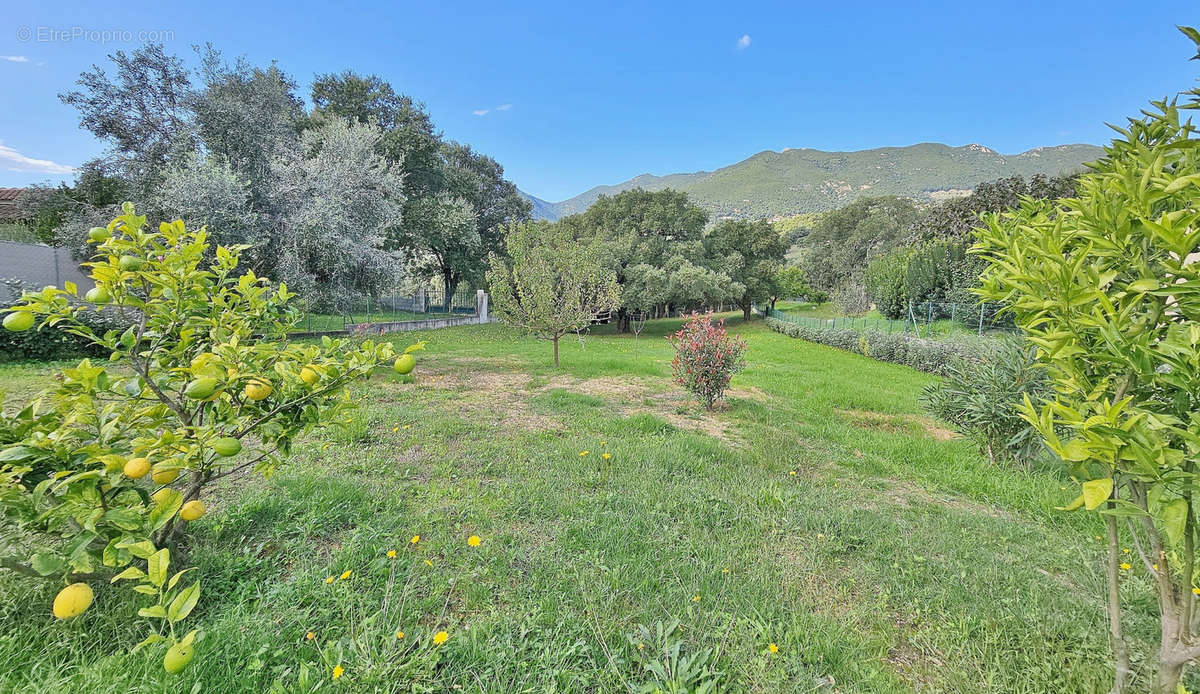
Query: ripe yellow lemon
[
  {"x": 73, "y": 600},
  {"x": 178, "y": 657},
  {"x": 164, "y": 475},
  {"x": 309, "y": 375},
  {"x": 18, "y": 321},
  {"x": 227, "y": 446},
  {"x": 404, "y": 364},
  {"x": 200, "y": 388},
  {"x": 192, "y": 510},
  {"x": 136, "y": 468},
  {"x": 257, "y": 389}
]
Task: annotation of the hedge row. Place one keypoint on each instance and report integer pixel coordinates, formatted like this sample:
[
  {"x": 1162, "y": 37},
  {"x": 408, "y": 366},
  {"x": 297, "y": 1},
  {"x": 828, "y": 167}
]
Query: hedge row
[{"x": 931, "y": 356}]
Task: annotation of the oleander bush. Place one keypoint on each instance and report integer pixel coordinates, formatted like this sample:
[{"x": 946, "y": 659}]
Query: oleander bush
[
  {"x": 982, "y": 397},
  {"x": 706, "y": 357}
]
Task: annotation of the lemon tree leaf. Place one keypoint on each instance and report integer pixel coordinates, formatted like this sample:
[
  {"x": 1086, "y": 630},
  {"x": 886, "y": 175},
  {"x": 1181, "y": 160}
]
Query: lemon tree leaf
[
  {"x": 183, "y": 603},
  {"x": 1175, "y": 519},
  {"x": 157, "y": 566},
  {"x": 1096, "y": 492}
]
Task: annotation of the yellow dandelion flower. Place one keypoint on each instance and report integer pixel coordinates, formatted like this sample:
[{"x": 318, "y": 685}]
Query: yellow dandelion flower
[
  {"x": 415, "y": 539},
  {"x": 474, "y": 540},
  {"x": 329, "y": 580},
  {"x": 724, "y": 571},
  {"x": 407, "y": 426},
  {"x": 326, "y": 446},
  {"x": 399, "y": 634},
  {"x": 391, "y": 554},
  {"x": 792, "y": 473},
  {"x": 310, "y": 636},
  {"x": 1125, "y": 566},
  {"x": 696, "y": 598},
  {"x": 1195, "y": 591},
  {"x": 604, "y": 443},
  {"x": 395, "y": 429},
  {"x": 428, "y": 563},
  {"x": 1155, "y": 566},
  {"x": 641, "y": 646},
  {"x": 582, "y": 453},
  {"x": 337, "y": 671},
  {"x": 1126, "y": 550},
  {"x": 440, "y": 638},
  {"x": 773, "y": 648},
  {"x": 1098, "y": 537},
  {"x": 345, "y": 574},
  {"x": 606, "y": 456}
]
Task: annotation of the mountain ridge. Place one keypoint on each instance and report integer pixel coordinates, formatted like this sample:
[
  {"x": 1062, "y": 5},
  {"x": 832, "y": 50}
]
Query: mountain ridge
[{"x": 798, "y": 180}]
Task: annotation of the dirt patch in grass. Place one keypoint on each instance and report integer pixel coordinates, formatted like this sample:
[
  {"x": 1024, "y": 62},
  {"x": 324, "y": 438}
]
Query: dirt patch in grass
[
  {"x": 632, "y": 396},
  {"x": 904, "y": 493},
  {"x": 499, "y": 398},
  {"x": 897, "y": 424}
]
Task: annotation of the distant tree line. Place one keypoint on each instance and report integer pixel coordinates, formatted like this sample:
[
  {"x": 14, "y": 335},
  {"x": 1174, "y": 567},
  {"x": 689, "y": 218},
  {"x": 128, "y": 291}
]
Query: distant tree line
[
  {"x": 663, "y": 254},
  {"x": 332, "y": 198},
  {"x": 888, "y": 251}
]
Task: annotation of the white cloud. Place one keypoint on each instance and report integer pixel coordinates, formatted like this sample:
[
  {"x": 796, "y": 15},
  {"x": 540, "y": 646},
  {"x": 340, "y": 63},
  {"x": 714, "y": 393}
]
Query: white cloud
[
  {"x": 743, "y": 42},
  {"x": 15, "y": 58},
  {"x": 504, "y": 107},
  {"x": 480, "y": 111},
  {"x": 15, "y": 161}
]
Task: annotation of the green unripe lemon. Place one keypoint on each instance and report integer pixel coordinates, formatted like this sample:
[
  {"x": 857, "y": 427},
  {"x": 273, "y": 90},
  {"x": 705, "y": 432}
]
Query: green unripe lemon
[
  {"x": 97, "y": 234},
  {"x": 130, "y": 263},
  {"x": 404, "y": 364},
  {"x": 73, "y": 600},
  {"x": 227, "y": 446},
  {"x": 192, "y": 510},
  {"x": 18, "y": 321},
  {"x": 136, "y": 468},
  {"x": 178, "y": 657},
  {"x": 257, "y": 389},
  {"x": 201, "y": 388},
  {"x": 162, "y": 475},
  {"x": 98, "y": 295}
]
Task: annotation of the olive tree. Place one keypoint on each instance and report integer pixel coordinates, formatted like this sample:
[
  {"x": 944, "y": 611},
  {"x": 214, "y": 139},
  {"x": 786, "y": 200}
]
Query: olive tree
[
  {"x": 550, "y": 285},
  {"x": 1106, "y": 285}
]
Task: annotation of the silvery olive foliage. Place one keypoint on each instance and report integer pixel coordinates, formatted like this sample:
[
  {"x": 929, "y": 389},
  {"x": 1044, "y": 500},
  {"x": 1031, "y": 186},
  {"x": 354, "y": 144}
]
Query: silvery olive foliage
[{"x": 342, "y": 197}]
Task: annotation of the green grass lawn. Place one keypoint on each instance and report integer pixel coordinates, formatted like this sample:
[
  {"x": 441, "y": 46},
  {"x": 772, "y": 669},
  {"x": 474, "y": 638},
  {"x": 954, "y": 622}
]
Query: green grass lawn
[{"x": 820, "y": 513}]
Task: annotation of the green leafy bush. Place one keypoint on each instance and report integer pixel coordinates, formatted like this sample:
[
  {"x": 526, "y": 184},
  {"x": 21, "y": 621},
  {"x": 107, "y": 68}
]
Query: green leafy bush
[
  {"x": 980, "y": 398},
  {"x": 100, "y": 475}
]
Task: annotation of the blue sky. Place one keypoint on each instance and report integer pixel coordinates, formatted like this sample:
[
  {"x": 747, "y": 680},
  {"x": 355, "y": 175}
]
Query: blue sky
[{"x": 568, "y": 95}]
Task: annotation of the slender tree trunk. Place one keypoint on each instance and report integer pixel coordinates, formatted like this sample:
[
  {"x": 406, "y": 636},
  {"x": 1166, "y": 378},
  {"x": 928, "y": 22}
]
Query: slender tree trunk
[
  {"x": 556, "y": 351},
  {"x": 746, "y": 312},
  {"x": 1120, "y": 648}
]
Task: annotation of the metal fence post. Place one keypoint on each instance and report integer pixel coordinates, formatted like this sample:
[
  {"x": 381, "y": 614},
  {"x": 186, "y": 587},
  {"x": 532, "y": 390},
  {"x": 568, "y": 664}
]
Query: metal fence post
[{"x": 981, "y": 305}]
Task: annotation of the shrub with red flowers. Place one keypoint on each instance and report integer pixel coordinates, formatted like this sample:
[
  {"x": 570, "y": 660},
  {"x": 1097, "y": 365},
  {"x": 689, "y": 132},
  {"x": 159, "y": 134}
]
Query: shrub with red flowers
[{"x": 706, "y": 357}]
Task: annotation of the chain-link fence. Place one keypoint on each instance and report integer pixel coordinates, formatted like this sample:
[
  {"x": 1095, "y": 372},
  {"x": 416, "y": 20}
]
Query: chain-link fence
[
  {"x": 394, "y": 307},
  {"x": 926, "y": 319}
]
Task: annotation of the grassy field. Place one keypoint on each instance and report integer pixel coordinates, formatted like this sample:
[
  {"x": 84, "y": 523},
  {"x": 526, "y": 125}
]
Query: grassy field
[{"x": 818, "y": 535}]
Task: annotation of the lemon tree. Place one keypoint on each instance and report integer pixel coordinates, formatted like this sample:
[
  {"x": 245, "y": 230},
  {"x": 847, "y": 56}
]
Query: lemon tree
[
  {"x": 101, "y": 475},
  {"x": 1107, "y": 287}
]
